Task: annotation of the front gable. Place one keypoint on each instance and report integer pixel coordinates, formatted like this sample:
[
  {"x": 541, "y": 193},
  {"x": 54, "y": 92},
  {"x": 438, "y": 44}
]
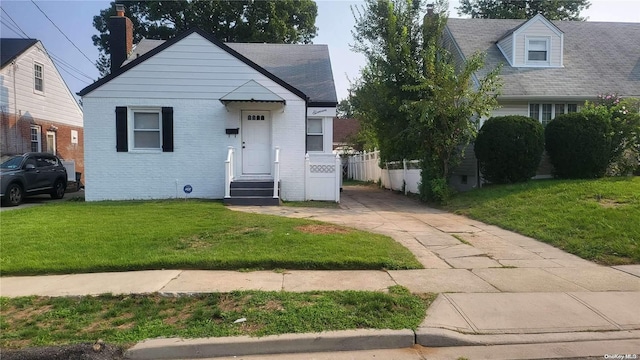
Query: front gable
[
  {"x": 535, "y": 43},
  {"x": 193, "y": 65},
  {"x": 32, "y": 77}
]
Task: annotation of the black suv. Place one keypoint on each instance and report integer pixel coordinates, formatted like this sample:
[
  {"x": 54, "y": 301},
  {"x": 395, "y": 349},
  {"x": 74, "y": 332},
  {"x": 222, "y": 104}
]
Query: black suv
[{"x": 32, "y": 174}]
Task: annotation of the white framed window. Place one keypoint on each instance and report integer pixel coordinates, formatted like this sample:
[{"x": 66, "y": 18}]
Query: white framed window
[
  {"x": 51, "y": 142},
  {"x": 547, "y": 112},
  {"x": 537, "y": 51},
  {"x": 36, "y": 142},
  {"x": 38, "y": 77},
  {"x": 146, "y": 129},
  {"x": 315, "y": 135}
]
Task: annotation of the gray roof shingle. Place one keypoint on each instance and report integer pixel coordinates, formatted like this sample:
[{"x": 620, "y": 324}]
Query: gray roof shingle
[
  {"x": 307, "y": 67},
  {"x": 11, "y": 48},
  {"x": 599, "y": 57}
]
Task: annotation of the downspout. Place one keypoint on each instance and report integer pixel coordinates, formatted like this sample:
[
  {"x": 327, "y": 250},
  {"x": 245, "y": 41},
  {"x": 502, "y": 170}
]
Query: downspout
[{"x": 15, "y": 108}]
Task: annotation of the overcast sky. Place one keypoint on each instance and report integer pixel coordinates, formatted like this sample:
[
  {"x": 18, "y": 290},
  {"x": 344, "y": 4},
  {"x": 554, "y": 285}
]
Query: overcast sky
[{"x": 334, "y": 21}]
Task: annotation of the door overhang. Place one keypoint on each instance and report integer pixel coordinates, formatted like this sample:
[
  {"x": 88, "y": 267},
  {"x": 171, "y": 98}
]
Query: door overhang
[{"x": 252, "y": 92}]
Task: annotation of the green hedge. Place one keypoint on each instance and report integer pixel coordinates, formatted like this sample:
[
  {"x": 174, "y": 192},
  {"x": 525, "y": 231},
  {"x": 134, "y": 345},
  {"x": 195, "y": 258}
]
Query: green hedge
[
  {"x": 579, "y": 145},
  {"x": 508, "y": 148}
]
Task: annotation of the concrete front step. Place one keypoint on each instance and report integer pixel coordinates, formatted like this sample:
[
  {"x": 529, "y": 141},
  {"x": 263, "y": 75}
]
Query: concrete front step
[
  {"x": 252, "y": 192},
  {"x": 252, "y": 201},
  {"x": 252, "y": 184}
]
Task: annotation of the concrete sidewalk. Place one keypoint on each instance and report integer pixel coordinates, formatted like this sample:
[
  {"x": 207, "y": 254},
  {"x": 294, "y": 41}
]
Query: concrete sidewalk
[
  {"x": 475, "y": 308},
  {"x": 496, "y": 287}
]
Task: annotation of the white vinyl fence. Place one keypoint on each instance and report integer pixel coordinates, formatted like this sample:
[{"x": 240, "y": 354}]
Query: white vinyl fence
[
  {"x": 323, "y": 177},
  {"x": 396, "y": 175}
]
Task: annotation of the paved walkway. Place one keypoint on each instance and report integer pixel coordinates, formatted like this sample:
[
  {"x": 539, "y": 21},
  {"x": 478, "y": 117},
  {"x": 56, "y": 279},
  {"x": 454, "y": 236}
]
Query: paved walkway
[{"x": 496, "y": 286}]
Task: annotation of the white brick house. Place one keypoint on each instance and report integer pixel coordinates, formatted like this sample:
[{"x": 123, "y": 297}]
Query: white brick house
[{"x": 178, "y": 111}]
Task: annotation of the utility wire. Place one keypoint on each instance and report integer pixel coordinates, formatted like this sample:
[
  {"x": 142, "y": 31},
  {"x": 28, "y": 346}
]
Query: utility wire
[
  {"x": 65, "y": 35},
  {"x": 11, "y": 27},
  {"x": 62, "y": 62},
  {"x": 14, "y": 22},
  {"x": 77, "y": 78}
]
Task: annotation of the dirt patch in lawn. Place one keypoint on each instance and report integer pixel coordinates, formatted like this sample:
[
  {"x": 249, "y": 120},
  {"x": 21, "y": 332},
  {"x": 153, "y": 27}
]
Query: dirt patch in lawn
[
  {"x": 322, "y": 229},
  {"x": 610, "y": 203}
]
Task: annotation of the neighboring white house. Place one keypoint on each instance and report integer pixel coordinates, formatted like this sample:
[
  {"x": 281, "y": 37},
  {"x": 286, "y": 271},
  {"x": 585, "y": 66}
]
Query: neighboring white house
[
  {"x": 221, "y": 120},
  {"x": 38, "y": 112},
  {"x": 549, "y": 67}
]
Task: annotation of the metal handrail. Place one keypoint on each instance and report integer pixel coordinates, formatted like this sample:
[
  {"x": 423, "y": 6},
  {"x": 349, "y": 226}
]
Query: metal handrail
[
  {"x": 276, "y": 172},
  {"x": 229, "y": 171}
]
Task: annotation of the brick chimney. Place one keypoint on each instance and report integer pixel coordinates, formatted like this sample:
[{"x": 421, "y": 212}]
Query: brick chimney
[
  {"x": 429, "y": 9},
  {"x": 120, "y": 38}
]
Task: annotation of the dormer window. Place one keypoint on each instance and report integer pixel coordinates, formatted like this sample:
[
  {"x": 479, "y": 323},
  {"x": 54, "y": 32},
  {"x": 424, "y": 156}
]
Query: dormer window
[{"x": 537, "y": 51}]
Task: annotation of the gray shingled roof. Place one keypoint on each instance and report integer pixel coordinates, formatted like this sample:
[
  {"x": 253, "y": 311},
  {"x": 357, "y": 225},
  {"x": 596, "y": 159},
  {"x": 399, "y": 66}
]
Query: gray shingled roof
[
  {"x": 599, "y": 57},
  {"x": 11, "y": 48},
  {"x": 306, "y": 67}
]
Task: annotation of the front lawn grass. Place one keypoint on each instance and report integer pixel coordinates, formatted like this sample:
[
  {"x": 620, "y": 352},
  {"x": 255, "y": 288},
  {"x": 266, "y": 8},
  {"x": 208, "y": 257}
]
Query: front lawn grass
[
  {"x": 78, "y": 237},
  {"x": 126, "y": 319},
  {"x": 597, "y": 220}
]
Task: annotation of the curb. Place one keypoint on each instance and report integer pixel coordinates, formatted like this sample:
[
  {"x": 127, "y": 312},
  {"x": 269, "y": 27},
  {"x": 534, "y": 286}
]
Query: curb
[
  {"x": 349, "y": 340},
  {"x": 276, "y": 344},
  {"x": 434, "y": 337}
]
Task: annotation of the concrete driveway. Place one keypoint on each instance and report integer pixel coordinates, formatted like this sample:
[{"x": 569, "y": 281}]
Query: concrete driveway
[{"x": 464, "y": 255}]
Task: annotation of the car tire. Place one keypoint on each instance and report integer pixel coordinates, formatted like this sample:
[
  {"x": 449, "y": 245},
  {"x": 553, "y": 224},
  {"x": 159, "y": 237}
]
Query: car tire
[
  {"x": 58, "y": 189},
  {"x": 14, "y": 195}
]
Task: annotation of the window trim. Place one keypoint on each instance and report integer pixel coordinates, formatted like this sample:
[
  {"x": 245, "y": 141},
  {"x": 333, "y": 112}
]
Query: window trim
[
  {"x": 321, "y": 134},
  {"x": 35, "y": 77},
  {"x": 528, "y": 40},
  {"x": 553, "y": 109},
  {"x": 53, "y": 143},
  {"x": 132, "y": 130},
  {"x": 38, "y": 141}
]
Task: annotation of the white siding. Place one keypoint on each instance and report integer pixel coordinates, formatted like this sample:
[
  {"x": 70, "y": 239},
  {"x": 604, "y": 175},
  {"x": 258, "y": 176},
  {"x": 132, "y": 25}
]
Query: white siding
[
  {"x": 191, "y": 85},
  {"x": 192, "y": 68},
  {"x": 452, "y": 47},
  {"x": 55, "y": 104},
  {"x": 537, "y": 28},
  {"x": 506, "y": 45},
  {"x": 512, "y": 108}
]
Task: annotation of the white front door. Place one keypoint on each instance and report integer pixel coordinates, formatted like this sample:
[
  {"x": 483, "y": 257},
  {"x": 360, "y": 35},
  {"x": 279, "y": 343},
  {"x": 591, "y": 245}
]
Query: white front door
[{"x": 256, "y": 142}]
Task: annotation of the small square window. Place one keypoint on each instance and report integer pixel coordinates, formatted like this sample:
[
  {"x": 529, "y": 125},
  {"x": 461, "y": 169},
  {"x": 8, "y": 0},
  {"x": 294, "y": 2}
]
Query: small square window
[
  {"x": 559, "y": 108},
  {"x": 146, "y": 130},
  {"x": 537, "y": 50},
  {"x": 572, "y": 108},
  {"x": 315, "y": 135},
  {"x": 38, "y": 75}
]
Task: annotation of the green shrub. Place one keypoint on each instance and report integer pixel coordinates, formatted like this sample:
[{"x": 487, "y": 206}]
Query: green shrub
[
  {"x": 509, "y": 148},
  {"x": 579, "y": 145}
]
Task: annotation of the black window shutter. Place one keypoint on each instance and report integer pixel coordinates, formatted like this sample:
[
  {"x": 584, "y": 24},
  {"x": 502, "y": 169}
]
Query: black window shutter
[
  {"x": 121, "y": 129},
  {"x": 167, "y": 129}
]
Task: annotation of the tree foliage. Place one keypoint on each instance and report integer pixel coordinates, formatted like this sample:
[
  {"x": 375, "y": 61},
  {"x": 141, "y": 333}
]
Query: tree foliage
[
  {"x": 282, "y": 21},
  {"x": 623, "y": 117},
  {"x": 388, "y": 33},
  {"x": 418, "y": 103},
  {"x": 523, "y": 9}
]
